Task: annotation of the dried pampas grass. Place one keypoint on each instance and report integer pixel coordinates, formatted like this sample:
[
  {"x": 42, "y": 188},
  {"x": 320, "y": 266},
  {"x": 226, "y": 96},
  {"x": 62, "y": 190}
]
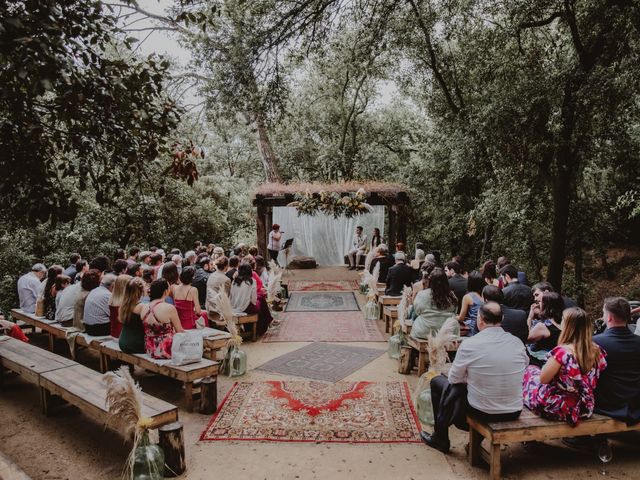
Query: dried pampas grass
[
  {"x": 275, "y": 281},
  {"x": 404, "y": 305},
  {"x": 124, "y": 403}
]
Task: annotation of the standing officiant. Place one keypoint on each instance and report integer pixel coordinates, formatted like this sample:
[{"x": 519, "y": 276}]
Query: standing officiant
[{"x": 275, "y": 235}]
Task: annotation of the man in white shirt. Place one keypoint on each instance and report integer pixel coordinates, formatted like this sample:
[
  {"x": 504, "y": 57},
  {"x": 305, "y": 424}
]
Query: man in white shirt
[
  {"x": 65, "y": 307},
  {"x": 358, "y": 248},
  {"x": 30, "y": 287},
  {"x": 215, "y": 283},
  {"x": 485, "y": 380}
]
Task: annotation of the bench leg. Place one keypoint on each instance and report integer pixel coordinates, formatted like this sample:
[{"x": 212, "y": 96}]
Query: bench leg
[
  {"x": 172, "y": 443},
  {"x": 104, "y": 363},
  {"x": 208, "y": 395},
  {"x": 422, "y": 362},
  {"x": 494, "y": 464},
  {"x": 188, "y": 396},
  {"x": 51, "y": 339},
  {"x": 254, "y": 331},
  {"x": 386, "y": 323},
  {"x": 405, "y": 365},
  {"x": 475, "y": 441},
  {"x": 45, "y": 401}
]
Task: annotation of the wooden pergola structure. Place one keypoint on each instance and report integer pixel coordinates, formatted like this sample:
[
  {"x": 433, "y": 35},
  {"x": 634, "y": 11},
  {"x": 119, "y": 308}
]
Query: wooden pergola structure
[{"x": 391, "y": 195}]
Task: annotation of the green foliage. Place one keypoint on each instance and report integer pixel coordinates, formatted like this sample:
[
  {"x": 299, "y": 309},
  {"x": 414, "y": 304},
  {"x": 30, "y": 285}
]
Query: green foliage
[{"x": 69, "y": 111}]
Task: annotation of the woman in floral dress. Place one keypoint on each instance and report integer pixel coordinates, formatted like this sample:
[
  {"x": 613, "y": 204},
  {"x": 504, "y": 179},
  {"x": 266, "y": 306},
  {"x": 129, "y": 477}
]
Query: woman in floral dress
[
  {"x": 160, "y": 320},
  {"x": 563, "y": 389}
]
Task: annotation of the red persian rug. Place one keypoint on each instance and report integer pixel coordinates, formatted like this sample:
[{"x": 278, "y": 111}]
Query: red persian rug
[
  {"x": 344, "y": 412},
  {"x": 323, "y": 327},
  {"x": 311, "y": 286}
]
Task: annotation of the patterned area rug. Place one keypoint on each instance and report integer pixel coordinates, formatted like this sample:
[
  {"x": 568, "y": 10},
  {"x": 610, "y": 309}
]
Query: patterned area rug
[
  {"x": 322, "y": 302},
  {"x": 322, "y": 361},
  {"x": 323, "y": 327},
  {"x": 311, "y": 286},
  {"x": 347, "y": 412}
]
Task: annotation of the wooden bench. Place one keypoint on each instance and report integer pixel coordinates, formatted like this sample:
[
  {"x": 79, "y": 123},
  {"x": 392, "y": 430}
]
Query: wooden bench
[
  {"x": 418, "y": 347},
  {"x": 388, "y": 300},
  {"x": 55, "y": 330},
  {"x": 188, "y": 374},
  {"x": 529, "y": 427},
  {"x": 75, "y": 383},
  {"x": 241, "y": 319},
  {"x": 389, "y": 314}
]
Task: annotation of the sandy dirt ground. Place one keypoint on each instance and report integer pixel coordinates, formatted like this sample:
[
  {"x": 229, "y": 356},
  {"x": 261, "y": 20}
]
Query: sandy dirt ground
[{"x": 70, "y": 445}]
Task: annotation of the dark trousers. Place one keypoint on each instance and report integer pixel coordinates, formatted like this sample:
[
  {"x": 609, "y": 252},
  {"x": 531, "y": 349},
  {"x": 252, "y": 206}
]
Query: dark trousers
[
  {"x": 98, "y": 330},
  {"x": 274, "y": 255},
  {"x": 450, "y": 407}
]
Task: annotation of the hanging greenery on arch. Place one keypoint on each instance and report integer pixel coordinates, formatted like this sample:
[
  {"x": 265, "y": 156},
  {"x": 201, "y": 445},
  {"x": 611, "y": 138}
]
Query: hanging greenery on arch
[{"x": 348, "y": 205}]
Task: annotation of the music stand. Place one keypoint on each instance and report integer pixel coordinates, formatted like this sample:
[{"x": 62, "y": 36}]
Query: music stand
[{"x": 287, "y": 249}]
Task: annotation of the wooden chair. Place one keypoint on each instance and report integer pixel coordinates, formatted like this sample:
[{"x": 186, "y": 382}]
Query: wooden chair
[{"x": 529, "y": 427}]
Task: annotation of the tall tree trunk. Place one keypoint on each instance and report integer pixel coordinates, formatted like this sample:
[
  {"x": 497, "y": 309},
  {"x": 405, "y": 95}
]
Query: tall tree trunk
[
  {"x": 257, "y": 120},
  {"x": 578, "y": 272}
]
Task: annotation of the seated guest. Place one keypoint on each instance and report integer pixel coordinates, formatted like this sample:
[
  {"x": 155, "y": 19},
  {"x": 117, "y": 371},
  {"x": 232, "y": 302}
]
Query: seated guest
[
  {"x": 516, "y": 294},
  {"x": 66, "y": 301},
  {"x": 504, "y": 261},
  {"x": 471, "y": 302},
  {"x": 145, "y": 258},
  {"x": 485, "y": 380},
  {"x": 358, "y": 248},
  {"x": 100, "y": 263},
  {"x": 131, "y": 337},
  {"x": 155, "y": 262},
  {"x": 189, "y": 259},
  {"x": 385, "y": 260},
  {"x": 71, "y": 271},
  {"x": 262, "y": 270},
  {"x": 253, "y": 251},
  {"x": 117, "y": 297},
  {"x": 514, "y": 321},
  {"x": 618, "y": 392},
  {"x": 89, "y": 282},
  {"x": 120, "y": 266},
  {"x": 30, "y": 287},
  {"x": 160, "y": 320},
  {"x": 82, "y": 267},
  {"x": 216, "y": 282},
  {"x": 233, "y": 267},
  {"x": 423, "y": 283},
  {"x": 490, "y": 274},
  {"x": 96, "y": 319},
  {"x": 399, "y": 276},
  {"x": 457, "y": 281},
  {"x": 62, "y": 282},
  {"x": 171, "y": 274},
  {"x": 564, "y": 388},
  {"x": 186, "y": 300},
  {"x": 544, "y": 334},
  {"x": 244, "y": 292},
  {"x": 418, "y": 259},
  {"x": 264, "y": 314},
  {"x": 49, "y": 292},
  {"x": 134, "y": 270},
  {"x": 203, "y": 266},
  {"x": 433, "y": 306},
  {"x": 537, "y": 290},
  {"x": 120, "y": 254}
]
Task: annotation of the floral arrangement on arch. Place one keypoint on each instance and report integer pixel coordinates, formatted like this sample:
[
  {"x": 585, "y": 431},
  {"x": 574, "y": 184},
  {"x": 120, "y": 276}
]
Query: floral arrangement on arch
[{"x": 331, "y": 203}]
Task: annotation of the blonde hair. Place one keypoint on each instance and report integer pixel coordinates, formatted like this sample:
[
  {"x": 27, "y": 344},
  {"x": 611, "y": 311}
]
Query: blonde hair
[
  {"x": 118, "y": 290},
  {"x": 132, "y": 295},
  {"x": 577, "y": 331}
]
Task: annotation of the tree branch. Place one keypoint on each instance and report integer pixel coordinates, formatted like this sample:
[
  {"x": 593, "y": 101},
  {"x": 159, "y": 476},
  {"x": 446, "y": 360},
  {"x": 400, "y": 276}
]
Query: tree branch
[{"x": 433, "y": 63}]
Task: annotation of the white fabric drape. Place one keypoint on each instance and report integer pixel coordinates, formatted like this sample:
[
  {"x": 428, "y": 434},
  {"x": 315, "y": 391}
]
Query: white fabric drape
[{"x": 323, "y": 237}]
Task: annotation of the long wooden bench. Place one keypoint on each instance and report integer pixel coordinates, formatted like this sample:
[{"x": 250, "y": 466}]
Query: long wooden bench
[
  {"x": 388, "y": 300},
  {"x": 188, "y": 374},
  {"x": 75, "y": 383},
  {"x": 389, "y": 314},
  {"x": 529, "y": 427},
  {"x": 55, "y": 330},
  {"x": 250, "y": 320}
]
